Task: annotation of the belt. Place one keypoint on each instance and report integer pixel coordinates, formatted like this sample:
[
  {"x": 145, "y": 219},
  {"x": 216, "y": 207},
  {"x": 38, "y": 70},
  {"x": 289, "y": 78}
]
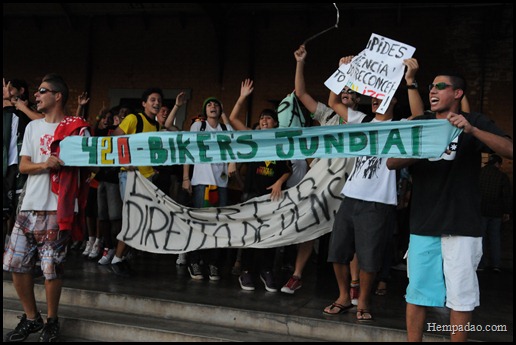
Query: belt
[{"x": 44, "y": 213}]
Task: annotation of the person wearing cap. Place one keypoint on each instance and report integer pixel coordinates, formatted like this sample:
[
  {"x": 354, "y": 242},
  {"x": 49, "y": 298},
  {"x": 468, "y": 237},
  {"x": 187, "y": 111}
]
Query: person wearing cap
[
  {"x": 208, "y": 187},
  {"x": 262, "y": 178},
  {"x": 496, "y": 207}
]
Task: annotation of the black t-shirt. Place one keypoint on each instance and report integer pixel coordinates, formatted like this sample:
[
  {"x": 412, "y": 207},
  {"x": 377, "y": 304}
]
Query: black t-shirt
[
  {"x": 261, "y": 175},
  {"x": 445, "y": 193}
]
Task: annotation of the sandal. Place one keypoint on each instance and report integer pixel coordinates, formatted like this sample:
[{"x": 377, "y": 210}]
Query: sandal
[
  {"x": 380, "y": 292},
  {"x": 340, "y": 308},
  {"x": 364, "y": 315}
]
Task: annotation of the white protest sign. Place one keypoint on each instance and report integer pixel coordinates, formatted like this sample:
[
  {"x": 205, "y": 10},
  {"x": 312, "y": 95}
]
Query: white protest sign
[{"x": 375, "y": 72}]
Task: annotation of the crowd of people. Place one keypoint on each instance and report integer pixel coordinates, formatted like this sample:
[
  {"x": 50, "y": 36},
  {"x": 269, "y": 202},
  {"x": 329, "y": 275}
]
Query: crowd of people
[{"x": 45, "y": 216}]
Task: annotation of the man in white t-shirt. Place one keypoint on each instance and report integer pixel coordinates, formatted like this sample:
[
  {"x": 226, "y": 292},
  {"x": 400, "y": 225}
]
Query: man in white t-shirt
[
  {"x": 37, "y": 234},
  {"x": 208, "y": 186}
]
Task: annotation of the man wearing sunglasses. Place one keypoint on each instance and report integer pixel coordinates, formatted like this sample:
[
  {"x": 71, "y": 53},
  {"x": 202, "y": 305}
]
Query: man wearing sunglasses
[
  {"x": 446, "y": 227},
  {"x": 41, "y": 231}
]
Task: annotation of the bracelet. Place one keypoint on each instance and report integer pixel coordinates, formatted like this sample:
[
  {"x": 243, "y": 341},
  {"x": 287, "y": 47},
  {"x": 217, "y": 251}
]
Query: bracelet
[
  {"x": 186, "y": 179},
  {"x": 175, "y": 105}
]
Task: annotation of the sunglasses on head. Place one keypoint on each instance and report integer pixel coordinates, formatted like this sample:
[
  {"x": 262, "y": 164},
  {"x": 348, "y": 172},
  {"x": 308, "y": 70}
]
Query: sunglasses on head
[
  {"x": 44, "y": 90},
  {"x": 438, "y": 86}
]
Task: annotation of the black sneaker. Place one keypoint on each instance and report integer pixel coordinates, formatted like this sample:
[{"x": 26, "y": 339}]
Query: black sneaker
[
  {"x": 121, "y": 268},
  {"x": 195, "y": 271},
  {"x": 24, "y": 328},
  {"x": 268, "y": 280},
  {"x": 50, "y": 332}
]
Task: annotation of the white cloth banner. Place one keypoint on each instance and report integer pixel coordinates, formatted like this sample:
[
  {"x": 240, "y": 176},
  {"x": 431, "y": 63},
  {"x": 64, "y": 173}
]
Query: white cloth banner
[{"x": 155, "y": 223}]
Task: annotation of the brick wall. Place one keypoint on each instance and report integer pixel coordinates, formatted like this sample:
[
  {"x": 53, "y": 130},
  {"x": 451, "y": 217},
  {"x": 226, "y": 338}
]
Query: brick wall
[{"x": 211, "y": 56}]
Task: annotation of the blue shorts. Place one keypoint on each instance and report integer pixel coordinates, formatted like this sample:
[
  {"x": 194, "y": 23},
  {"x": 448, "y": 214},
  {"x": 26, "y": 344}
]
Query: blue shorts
[{"x": 425, "y": 272}]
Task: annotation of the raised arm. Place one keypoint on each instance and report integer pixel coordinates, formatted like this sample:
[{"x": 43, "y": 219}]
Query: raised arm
[
  {"x": 82, "y": 100},
  {"x": 300, "y": 85},
  {"x": 245, "y": 90},
  {"x": 464, "y": 105},
  {"x": 334, "y": 101},
  {"x": 169, "y": 122},
  {"x": 415, "y": 101},
  {"x": 18, "y": 103}
]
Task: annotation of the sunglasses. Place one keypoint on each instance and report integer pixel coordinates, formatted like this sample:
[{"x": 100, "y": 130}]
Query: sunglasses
[
  {"x": 438, "y": 86},
  {"x": 44, "y": 90},
  {"x": 349, "y": 91}
]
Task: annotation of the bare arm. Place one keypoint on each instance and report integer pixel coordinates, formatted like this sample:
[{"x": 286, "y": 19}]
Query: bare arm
[
  {"x": 334, "y": 101},
  {"x": 82, "y": 100},
  {"x": 501, "y": 145},
  {"x": 276, "y": 187},
  {"x": 169, "y": 122},
  {"x": 415, "y": 101},
  {"x": 399, "y": 163},
  {"x": 300, "y": 85},
  {"x": 245, "y": 90},
  {"x": 464, "y": 105},
  {"x": 28, "y": 167},
  {"x": 23, "y": 107},
  {"x": 187, "y": 184}
]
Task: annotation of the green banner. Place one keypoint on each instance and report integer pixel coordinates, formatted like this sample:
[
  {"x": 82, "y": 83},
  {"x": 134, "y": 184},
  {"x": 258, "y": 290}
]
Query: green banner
[{"x": 402, "y": 139}]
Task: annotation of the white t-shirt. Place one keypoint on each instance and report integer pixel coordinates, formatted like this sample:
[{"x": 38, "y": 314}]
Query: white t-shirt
[
  {"x": 36, "y": 144},
  {"x": 370, "y": 179},
  {"x": 215, "y": 174}
]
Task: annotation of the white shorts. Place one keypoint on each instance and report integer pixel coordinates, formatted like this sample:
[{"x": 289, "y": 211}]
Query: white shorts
[{"x": 461, "y": 256}]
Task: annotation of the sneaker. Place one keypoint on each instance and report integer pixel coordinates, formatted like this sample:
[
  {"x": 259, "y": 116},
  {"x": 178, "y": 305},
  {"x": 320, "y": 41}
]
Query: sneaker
[
  {"x": 293, "y": 284},
  {"x": 354, "y": 293},
  {"x": 181, "y": 260},
  {"x": 214, "y": 272},
  {"x": 268, "y": 281},
  {"x": 121, "y": 268},
  {"x": 195, "y": 271},
  {"x": 107, "y": 256},
  {"x": 246, "y": 281},
  {"x": 24, "y": 328},
  {"x": 95, "y": 251},
  {"x": 87, "y": 250},
  {"x": 50, "y": 332}
]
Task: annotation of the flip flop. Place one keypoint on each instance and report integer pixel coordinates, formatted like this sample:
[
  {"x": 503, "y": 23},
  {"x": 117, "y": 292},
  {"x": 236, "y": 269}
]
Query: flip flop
[
  {"x": 364, "y": 315},
  {"x": 340, "y": 308}
]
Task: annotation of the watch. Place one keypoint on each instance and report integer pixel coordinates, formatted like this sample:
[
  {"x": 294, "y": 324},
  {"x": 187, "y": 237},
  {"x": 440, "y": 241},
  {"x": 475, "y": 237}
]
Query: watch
[{"x": 413, "y": 86}]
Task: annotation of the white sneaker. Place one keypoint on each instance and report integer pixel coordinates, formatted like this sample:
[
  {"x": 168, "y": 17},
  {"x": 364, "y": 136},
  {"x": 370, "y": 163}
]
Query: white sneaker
[
  {"x": 107, "y": 256},
  {"x": 95, "y": 251},
  {"x": 89, "y": 247},
  {"x": 181, "y": 260}
]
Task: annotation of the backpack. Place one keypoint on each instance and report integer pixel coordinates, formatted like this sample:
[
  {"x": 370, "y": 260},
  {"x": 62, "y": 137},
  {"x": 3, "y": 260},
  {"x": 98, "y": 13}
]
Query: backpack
[
  {"x": 139, "y": 124},
  {"x": 203, "y": 126}
]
